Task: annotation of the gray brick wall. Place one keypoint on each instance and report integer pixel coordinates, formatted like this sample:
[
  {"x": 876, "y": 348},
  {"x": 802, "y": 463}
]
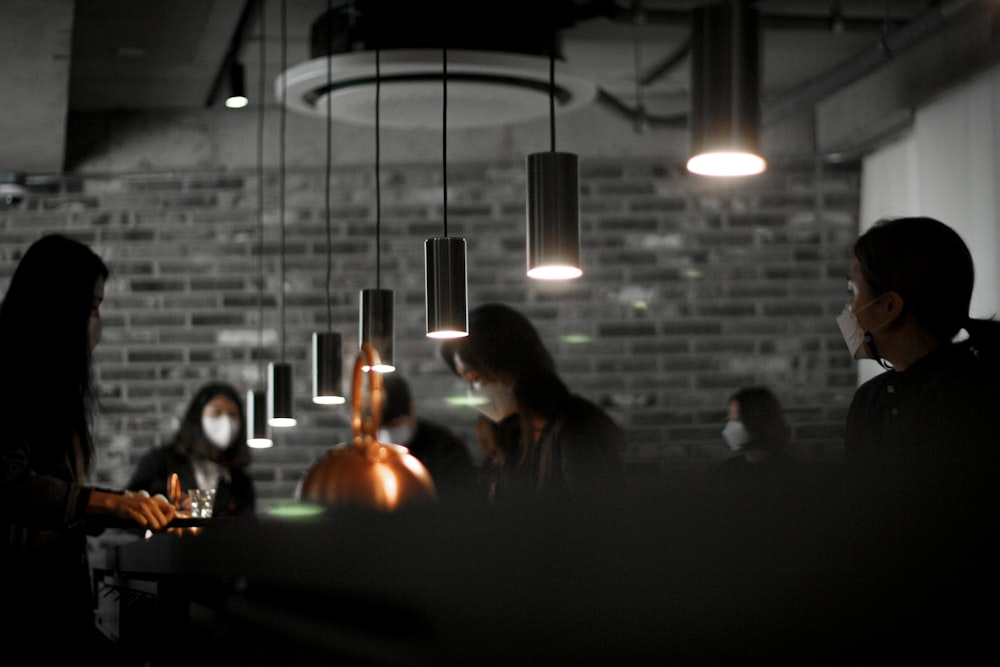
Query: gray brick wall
[{"x": 692, "y": 288}]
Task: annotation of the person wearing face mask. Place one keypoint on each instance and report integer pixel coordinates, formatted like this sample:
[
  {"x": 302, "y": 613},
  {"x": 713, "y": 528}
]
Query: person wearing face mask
[
  {"x": 538, "y": 438},
  {"x": 442, "y": 452},
  {"x": 49, "y": 327},
  {"x": 208, "y": 451},
  {"x": 922, "y": 454},
  {"x": 760, "y": 472}
]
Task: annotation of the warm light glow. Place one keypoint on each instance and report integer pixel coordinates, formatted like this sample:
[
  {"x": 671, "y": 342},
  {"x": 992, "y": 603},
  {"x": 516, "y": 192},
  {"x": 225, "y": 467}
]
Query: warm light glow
[
  {"x": 465, "y": 401},
  {"x": 282, "y": 422},
  {"x": 726, "y": 164},
  {"x": 237, "y": 101},
  {"x": 390, "y": 485},
  {"x": 260, "y": 443},
  {"x": 555, "y": 272},
  {"x": 447, "y": 333},
  {"x": 329, "y": 400},
  {"x": 379, "y": 368}
]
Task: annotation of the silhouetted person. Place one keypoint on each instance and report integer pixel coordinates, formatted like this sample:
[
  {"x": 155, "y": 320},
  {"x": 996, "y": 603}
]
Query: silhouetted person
[{"x": 49, "y": 325}]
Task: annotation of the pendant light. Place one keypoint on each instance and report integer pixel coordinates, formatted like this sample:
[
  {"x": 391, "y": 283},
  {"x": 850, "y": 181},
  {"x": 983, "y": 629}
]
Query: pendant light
[
  {"x": 375, "y": 326},
  {"x": 258, "y": 430},
  {"x": 279, "y": 377},
  {"x": 444, "y": 257},
  {"x": 725, "y": 110},
  {"x": 326, "y": 370},
  {"x": 553, "y": 216},
  {"x": 237, "y": 98}
]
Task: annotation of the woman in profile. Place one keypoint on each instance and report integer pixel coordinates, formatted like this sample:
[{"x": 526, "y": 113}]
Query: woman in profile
[
  {"x": 49, "y": 325},
  {"x": 538, "y": 437},
  {"x": 760, "y": 471},
  {"x": 208, "y": 451}
]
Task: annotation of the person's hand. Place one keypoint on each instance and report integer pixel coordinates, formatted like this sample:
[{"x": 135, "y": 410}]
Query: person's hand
[{"x": 154, "y": 513}]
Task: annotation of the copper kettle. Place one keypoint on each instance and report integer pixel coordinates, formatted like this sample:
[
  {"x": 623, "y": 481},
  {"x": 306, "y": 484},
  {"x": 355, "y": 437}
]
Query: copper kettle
[{"x": 366, "y": 472}]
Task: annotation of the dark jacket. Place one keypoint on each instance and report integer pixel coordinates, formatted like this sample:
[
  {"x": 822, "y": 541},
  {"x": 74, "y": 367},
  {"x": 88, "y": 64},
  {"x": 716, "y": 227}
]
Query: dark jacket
[{"x": 234, "y": 493}]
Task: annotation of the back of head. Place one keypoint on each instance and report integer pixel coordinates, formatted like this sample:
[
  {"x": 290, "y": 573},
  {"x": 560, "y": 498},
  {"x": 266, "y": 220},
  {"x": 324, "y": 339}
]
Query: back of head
[
  {"x": 763, "y": 417},
  {"x": 500, "y": 340},
  {"x": 397, "y": 399},
  {"x": 927, "y": 263},
  {"x": 43, "y": 322}
]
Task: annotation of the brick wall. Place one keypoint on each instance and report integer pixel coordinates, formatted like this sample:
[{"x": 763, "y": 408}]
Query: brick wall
[{"x": 692, "y": 288}]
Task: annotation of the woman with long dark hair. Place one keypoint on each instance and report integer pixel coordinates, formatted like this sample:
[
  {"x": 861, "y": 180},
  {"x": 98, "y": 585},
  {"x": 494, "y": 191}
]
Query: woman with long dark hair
[
  {"x": 208, "y": 451},
  {"x": 538, "y": 437},
  {"x": 49, "y": 325}
]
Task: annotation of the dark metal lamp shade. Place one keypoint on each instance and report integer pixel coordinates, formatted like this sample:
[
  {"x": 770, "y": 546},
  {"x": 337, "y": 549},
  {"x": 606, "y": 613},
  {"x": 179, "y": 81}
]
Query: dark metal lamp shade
[
  {"x": 327, "y": 369},
  {"x": 725, "y": 106},
  {"x": 553, "y": 216},
  {"x": 375, "y": 325},
  {"x": 280, "y": 395},
  {"x": 258, "y": 431},
  {"x": 447, "y": 291},
  {"x": 237, "y": 98}
]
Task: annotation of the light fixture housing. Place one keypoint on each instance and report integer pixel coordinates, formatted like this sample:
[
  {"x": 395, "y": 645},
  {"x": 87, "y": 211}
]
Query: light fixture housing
[
  {"x": 725, "y": 105},
  {"x": 446, "y": 289},
  {"x": 280, "y": 395},
  {"x": 375, "y": 326},
  {"x": 258, "y": 430},
  {"x": 553, "y": 216},
  {"x": 327, "y": 369},
  {"x": 237, "y": 98}
]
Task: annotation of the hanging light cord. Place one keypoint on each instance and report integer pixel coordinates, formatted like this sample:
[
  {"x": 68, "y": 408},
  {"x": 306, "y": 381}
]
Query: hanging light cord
[
  {"x": 552, "y": 88},
  {"x": 329, "y": 151},
  {"x": 281, "y": 166},
  {"x": 261, "y": 92},
  {"x": 444, "y": 134},
  {"x": 378, "y": 180}
]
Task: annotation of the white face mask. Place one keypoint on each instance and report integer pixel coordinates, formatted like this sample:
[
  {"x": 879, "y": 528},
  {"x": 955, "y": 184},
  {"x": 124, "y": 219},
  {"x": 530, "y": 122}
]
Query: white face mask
[
  {"x": 499, "y": 397},
  {"x": 735, "y": 434},
  {"x": 219, "y": 430},
  {"x": 853, "y": 334},
  {"x": 399, "y": 435},
  {"x": 95, "y": 326}
]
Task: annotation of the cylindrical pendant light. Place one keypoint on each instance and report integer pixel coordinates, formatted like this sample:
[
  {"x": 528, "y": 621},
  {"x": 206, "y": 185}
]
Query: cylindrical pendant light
[
  {"x": 447, "y": 291},
  {"x": 258, "y": 430},
  {"x": 444, "y": 257},
  {"x": 327, "y": 365},
  {"x": 237, "y": 87},
  {"x": 280, "y": 395},
  {"x": 279, "y": 377},
  {"x": 725, "y": 109},
  {"x": 375, "y": 325},
  {"x": 553, "y": 229},
  {"x": 553, "y": 216},
  {"x": 327, "y": 362}
]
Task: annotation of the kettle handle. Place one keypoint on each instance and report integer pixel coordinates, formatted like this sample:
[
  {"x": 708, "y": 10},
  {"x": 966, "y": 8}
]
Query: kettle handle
[{"x": 366, "y": 429}]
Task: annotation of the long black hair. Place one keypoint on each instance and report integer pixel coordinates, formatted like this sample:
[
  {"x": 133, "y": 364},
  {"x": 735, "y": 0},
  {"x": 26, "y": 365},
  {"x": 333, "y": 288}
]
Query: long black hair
[{"x": 44, "y": 341}]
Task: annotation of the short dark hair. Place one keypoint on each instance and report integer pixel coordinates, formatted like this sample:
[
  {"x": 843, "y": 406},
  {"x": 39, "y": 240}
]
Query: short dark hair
[{"x": 927, "y": 263}]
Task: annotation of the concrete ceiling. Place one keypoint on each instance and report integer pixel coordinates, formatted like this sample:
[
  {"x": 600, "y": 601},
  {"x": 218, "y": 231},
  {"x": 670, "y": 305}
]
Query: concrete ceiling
[{"x": 63, "y": 58}]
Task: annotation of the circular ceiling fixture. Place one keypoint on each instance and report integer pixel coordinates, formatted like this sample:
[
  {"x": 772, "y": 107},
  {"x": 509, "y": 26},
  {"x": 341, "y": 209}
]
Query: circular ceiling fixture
[{"x": 485, "y": 88}]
